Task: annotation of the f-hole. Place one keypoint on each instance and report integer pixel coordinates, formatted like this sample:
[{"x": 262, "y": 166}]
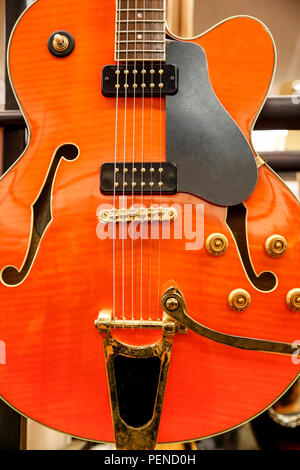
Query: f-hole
[
  {"x": 41, "y": 217},
  {"x": 236, "y": 221}
]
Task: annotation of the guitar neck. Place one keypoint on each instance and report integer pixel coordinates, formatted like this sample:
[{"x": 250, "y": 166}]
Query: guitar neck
[{"x": 140, "y": 30}]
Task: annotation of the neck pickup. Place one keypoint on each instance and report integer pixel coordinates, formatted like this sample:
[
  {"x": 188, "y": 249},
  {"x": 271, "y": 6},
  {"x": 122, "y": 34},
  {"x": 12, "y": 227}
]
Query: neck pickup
[{"x": 140, "y": 80}]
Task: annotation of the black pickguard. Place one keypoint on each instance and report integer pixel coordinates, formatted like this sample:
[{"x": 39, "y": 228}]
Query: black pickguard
[{"x": 214, "y": 160}]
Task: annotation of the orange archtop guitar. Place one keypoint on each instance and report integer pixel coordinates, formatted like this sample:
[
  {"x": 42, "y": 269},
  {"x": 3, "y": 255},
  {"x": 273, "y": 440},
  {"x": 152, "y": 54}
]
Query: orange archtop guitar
[{"x": 149, "y": 258}]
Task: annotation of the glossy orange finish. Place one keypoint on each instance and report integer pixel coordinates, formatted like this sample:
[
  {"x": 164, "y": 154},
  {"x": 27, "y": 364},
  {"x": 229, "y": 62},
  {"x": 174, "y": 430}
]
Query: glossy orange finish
[{"x": 55, "y": 371}]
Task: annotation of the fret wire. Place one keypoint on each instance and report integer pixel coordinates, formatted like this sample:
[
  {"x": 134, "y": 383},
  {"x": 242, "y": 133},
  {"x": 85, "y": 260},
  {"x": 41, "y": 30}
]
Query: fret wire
[
  {"x": 144, "y": 58},
  {"x": 141, "y": 9},
  {"x": 140, "y": 6},
  {"x": 141, "y": 40},
  {"x": 132, "y": 8},
  {"x": 137, "y": 2},
  {"x": 141, "y": 50},
  {"x": 121, "y": 6},
  {"x": 140, "y": 21},
  {"x": 139, "y": 31}
]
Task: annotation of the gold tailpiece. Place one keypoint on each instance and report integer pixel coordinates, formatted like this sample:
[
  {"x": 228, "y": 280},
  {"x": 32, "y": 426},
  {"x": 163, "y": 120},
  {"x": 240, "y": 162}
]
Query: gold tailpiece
[{"x": 128, "y": 437}]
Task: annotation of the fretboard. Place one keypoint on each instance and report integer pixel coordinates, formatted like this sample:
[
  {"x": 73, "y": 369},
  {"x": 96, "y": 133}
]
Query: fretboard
[{"x": 140, "y": 30}]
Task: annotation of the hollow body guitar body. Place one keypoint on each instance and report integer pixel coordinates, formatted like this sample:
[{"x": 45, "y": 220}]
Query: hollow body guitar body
[{"x": 55, "y": 368}]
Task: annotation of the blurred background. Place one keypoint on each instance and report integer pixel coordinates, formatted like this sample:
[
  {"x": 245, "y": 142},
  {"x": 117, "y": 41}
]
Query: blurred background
[
  {"x": 192, "y": 17},
  {"x": 278, "y": 428}
]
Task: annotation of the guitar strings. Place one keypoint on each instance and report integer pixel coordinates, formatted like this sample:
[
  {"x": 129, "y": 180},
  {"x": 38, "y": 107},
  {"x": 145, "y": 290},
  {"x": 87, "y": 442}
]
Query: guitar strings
[
  {"x": 133, "y": 162},
  {"x": 143, "y": 117},
  {"x": 151, "y": 188},
  {"x": 115, "y": 164},
  {"x": 124, "y": 224},
  {"x": 160, "y": 188},
  {"x": 142, "y": 174}
]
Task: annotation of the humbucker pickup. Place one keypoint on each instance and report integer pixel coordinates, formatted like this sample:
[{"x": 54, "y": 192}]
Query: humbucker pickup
[
  {"x": 138, "y": 178},
  {"x": 140, "y": 79}
]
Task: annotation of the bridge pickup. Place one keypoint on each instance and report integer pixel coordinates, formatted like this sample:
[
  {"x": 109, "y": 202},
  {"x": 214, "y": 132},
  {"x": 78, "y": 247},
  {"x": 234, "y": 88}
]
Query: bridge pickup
[
  {"x": 156, "y": 79},
  {"x": 138, "y": 178}
]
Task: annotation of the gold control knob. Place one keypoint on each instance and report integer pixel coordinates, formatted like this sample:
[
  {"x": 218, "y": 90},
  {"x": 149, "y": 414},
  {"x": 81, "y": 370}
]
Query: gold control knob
[
  {"x": 217, "y": 244},
  {"x": 239, "y": 300},
  {"x": 172, "y": 304},
  {"x": 60, "y": 42},
  {"x": 276, "y": 246},
  {"x": 293, "y": 299}
]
